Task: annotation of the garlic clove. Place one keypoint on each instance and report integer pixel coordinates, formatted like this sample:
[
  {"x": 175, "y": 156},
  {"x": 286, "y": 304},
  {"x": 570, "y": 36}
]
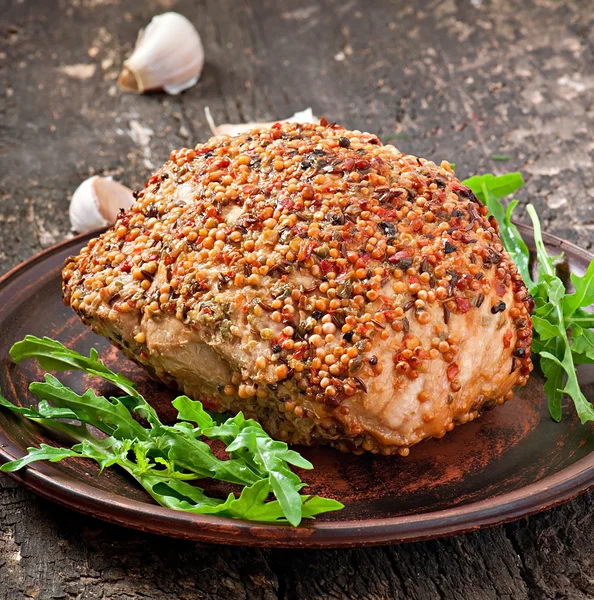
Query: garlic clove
[
  {"x": 303, "y": 116},
  {"x": 96, "y": 203},
  {"x": 168, "y": 56}
]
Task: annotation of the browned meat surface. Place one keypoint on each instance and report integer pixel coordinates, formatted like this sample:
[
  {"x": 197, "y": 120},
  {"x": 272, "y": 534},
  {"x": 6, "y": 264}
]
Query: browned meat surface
[{"x": 327, "y": 285}]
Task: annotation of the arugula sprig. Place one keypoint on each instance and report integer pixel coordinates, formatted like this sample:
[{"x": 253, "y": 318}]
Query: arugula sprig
[
  {"x": 54, "y": 356},
  {"x": 563, "y": 328},
  {"x": 164, "y": 459}
]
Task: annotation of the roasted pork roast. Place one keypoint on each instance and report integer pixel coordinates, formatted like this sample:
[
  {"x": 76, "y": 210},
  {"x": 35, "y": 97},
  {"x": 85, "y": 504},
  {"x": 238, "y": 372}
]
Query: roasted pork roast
[{"x": 327, "y": 285}]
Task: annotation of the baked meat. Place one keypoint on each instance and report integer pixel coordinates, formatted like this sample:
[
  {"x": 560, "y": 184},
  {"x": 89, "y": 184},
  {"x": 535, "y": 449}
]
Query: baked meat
[{"x": 327, "y": 285}]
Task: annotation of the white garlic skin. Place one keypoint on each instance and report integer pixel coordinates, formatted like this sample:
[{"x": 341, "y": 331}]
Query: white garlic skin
[
  {"x": 96, "y": 203},
  {"x": 168, "y": 56},
  {"x": 303, "y": 116}
]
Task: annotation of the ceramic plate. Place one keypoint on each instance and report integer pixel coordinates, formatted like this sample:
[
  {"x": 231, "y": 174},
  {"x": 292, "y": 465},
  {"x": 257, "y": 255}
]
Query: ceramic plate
[{"x": 510, "y": 463}]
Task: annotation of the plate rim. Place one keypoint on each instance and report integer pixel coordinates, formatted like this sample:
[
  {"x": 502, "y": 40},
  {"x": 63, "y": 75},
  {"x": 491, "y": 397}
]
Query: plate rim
[{"x": 540, "y": 495}]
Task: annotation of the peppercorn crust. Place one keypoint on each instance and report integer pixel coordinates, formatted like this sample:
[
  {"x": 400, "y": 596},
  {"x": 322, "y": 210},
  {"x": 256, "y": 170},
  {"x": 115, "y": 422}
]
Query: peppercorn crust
[{"x": 328, "y": 285}]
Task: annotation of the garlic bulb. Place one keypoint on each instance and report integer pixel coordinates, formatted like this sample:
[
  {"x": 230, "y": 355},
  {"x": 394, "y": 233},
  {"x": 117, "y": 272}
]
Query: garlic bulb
[
  {"x": 304, "y": 116},
  {"x": 97, "y": 202},
  {"x": 168, "y": 56}
]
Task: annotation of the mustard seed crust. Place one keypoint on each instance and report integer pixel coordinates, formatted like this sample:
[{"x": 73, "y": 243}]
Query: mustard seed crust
[{"x": 318, "y": 273}]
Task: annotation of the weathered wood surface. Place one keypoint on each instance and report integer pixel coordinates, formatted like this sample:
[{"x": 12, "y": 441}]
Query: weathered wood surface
[{"x": 452, "y": 79}]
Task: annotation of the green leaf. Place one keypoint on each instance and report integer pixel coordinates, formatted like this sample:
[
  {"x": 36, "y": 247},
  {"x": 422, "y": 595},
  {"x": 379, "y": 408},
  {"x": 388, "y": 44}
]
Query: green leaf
[
  {"x": 178, "y": 495},
  {"x": 584, "y": 292},
  {"x": 256, "y": 441},
  {"x": 497, "y": 186},
  {"x": 546, "y": 263},
  {"x": 44, "y": 452},
  {"x": 555, "y": 375},
  {"x": 185, "y": 451},
  {"x": 583, "y": 407},
  {"x": 272, "y": 456},
  {"x": 545, "y": 328},
  {"x": 555, "y": 311},
  {"x": 228, "y": 430},
  {"x": 109, "y": 416},
  {"x": 315, "y": 505},
  {"x": 515, "y": 245},
  {"x": 251, "y": 504},
  {"x": 54, "y": 356},
  {"x": 51, "y": 417},
  {"x": 584, "y": 344},
  {"x": 106, "y": 452},
  {"x": 581, "y": 318},
  {"x": 563, "y": 356},
  {"x": 287, "y": 495},
  {"x": 43, "y": 410},
  {"x": 555, "y": 290},
  {"x": 192, "y": 410},
  {"x": 163, "y": 459}
]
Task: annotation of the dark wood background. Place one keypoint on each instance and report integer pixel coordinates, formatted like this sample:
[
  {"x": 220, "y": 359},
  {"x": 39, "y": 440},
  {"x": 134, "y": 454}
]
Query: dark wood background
[{"x": 459, "y": 80}]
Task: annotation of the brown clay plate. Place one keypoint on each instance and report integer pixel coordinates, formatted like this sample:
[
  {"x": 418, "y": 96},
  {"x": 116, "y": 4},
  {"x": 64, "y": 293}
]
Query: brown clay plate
[{"x": 512, "y": 462}]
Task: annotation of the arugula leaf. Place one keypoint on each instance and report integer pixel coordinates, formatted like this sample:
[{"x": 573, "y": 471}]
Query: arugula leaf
[
  {"x": 51, "y": 417},
  {"x": 192, "y": 410},
  {"x": 231, "y": 432},
  {"x": 516, "y": 244},
  {"x": 545, "y": 329},
  {"x": 44, "y": 452},
  {"x": 106, "y": 453},
  {"x": 582, "y": 319},
  {"x": 572, "y": 388},
  {"x": 271, "y": 456},
  {"x": 54, "y": 356},
  {"x": 43, "y": 410},
  {"x": 583, "y": 345},
  {"x": 268, "y": 456},
  {"x": 174, "y": 492},
  {"x": 191, "y": 499},
  {"x": 109, "y": 416},
  {"x": 195, "y": 455},
  {"x": 553, "y": 291},
  {"x": 584, "y": 292},
  {"x": 315, "y": 505},
  {"x": 256, "y": 441},
  {"x": 495, "y": 186},
  {"x": 163, "y": 459},
  {"x": 251, "y": 504}
]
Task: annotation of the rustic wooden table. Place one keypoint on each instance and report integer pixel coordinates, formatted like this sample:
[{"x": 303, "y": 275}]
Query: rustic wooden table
[{"x": 456, "y": 79}]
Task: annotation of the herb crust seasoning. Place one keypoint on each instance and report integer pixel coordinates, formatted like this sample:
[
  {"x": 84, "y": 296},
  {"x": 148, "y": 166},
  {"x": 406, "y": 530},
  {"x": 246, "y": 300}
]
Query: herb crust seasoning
[{"x": 329, "y": 286}]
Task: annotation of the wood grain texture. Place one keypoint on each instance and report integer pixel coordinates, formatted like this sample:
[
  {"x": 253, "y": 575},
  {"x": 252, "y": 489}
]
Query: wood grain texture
[{"x": 453, "y": 79}]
